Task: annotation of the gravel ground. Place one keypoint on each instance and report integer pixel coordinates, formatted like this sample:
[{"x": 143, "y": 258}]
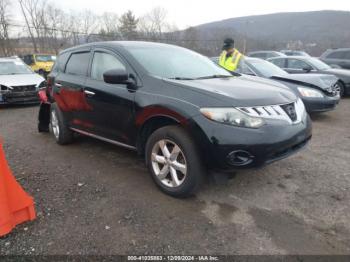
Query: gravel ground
[{"x": 95, "y": 198}]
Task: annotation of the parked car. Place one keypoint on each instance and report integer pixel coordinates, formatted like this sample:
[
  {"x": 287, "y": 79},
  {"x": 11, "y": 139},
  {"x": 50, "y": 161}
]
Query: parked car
[
  {"x": 302, "y": 65},
  {"x": 337, "y": 57},
  {"x": 265, "y": 54},
  {"x": 319, "y": 93},
  {"x": 294, "y": 53},
  {"x": 40, "y": 63},
  {"x": 18, "y": 83},
  {"x": 174, "y": 106}
]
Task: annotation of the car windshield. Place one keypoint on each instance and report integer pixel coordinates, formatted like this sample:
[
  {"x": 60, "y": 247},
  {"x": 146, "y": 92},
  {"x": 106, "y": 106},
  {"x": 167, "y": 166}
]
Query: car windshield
[
  {"x": 176, "y": 63},
  {"x": 45, "y": 58},
  {"x": 318, "y": 64},
  {"x": 265, "y": 68},
  {"x": 14, "y": 68}
]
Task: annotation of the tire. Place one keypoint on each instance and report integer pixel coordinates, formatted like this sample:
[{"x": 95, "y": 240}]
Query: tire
[
  {"x": 341, "y": 88},
  {"x": 182, "y": 156},
  {"x": 63, "y": 135}
]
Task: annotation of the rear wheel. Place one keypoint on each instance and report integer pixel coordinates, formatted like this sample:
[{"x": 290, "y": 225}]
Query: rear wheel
[
  {"x": 174, "y": 162},
  {"x": 59, "y": 128}
]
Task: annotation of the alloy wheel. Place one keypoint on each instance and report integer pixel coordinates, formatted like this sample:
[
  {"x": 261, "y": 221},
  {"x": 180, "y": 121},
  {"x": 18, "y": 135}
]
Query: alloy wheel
[
  {"x": 169, "y": 163},
  {"x": 54, "y": 124}
]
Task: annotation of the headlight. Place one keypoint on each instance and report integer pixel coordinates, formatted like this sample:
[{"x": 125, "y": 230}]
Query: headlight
[
  {"x": 4, "y": 89},
  {"x": 308, "y": 92},
  {"x": 43, "y": 84},
  {"x": 232, "y": 116}
]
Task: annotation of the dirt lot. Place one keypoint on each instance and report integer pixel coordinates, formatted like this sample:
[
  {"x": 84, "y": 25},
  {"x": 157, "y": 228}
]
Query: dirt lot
[{"x": 96, "y": 198}]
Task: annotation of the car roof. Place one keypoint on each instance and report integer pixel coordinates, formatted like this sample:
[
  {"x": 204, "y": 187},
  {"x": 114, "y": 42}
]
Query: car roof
[
  {"x": 291, "y": 57},
  {"x": 263, "y": 51},
  {"x": 9, "y": 59},
  {"x": 118, "y": 44},
  {"x": 248, "y": 58},
  {"x": 339, "y": 49}
]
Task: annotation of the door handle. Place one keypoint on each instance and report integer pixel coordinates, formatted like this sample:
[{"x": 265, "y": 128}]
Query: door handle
[{"x": 89, "y": 93}]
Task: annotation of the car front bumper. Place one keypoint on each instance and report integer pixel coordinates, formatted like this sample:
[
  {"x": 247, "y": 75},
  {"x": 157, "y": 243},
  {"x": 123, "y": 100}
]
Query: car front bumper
[
  {"x": 315, "y": 105},
  {"x": 222, "y": 145},
  {"x": 29, "y": 97}
]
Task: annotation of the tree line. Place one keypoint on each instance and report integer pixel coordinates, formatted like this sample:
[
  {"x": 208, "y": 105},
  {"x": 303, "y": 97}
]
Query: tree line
[{"x": 48, "y": 28}]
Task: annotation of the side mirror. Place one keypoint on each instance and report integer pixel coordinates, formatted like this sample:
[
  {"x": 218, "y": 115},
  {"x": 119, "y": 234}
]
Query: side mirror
[
  {"x": 116, "y": 76},
  {"x": 307, "y": 69}
]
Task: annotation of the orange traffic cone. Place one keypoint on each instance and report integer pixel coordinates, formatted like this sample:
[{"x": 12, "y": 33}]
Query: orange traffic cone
[{"x": 16, "y": 206}]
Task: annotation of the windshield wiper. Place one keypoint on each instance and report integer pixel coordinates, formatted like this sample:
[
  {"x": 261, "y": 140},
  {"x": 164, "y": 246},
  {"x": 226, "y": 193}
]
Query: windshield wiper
[
  {"x": 213, "y": 76},
  {"x": 181, "y": 78}
]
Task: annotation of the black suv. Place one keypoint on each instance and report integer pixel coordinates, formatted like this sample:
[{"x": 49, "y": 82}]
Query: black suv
[{"x": 176, "y": 107}]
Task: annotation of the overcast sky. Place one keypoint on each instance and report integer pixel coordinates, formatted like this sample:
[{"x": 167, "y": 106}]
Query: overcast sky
[{"x": 186, "y": 13}]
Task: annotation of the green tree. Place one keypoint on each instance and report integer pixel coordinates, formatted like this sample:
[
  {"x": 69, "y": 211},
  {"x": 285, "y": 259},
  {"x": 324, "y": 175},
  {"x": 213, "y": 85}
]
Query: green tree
[{"x": 128, "y": 25}]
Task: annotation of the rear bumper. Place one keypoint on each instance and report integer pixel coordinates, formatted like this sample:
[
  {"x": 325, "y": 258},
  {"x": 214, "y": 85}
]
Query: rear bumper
[
  {"x": 317, "y": 105},
  {"x": 19, "y": 97}
]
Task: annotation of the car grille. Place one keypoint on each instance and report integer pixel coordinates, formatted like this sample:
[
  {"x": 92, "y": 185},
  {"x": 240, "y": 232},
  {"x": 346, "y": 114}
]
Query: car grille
[
  {"x": 23, "y": 88},
  {"x": 16, "y": 97},
  {"x": 292, "y": 112}
]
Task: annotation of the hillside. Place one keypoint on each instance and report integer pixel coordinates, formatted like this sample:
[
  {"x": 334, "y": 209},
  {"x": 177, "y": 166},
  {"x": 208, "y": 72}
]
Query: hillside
[{"x": 316, "y": 30}]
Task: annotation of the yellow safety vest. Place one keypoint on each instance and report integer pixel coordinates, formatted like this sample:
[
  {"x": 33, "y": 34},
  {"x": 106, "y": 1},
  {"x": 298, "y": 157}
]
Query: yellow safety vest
[{"x": 230, "y": 63}]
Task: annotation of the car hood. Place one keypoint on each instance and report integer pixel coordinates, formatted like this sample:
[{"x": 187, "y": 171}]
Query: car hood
[
  {"x": 312, "y": 80},
  {"x": 240, "y": 91},
  {"x": 337, "y": 71},
  {"x": 20, "y": 80}
]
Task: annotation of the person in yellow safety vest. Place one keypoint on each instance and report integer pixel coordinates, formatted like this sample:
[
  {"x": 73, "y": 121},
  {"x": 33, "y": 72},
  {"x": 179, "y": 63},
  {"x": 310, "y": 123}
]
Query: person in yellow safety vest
[{"x": 230, "y": 56}]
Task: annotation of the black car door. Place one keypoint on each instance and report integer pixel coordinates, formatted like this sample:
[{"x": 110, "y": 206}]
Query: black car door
[
  {"x": 68, "y": 86},
  {"x": 298, "y": 66},
  {"x": 112, "y": 105}
]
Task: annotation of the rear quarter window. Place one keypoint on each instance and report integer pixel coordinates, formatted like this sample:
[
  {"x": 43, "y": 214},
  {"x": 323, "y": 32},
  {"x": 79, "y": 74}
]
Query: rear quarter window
[{"x": 78, "y": 64}]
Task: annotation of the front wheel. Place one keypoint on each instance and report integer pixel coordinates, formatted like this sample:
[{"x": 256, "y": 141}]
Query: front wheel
[
  {"x": 174, "y": 161},
  {"x": 341, "y": 88}
]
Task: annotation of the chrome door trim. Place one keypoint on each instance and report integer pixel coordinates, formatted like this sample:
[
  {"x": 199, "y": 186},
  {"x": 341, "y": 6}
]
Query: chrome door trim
[{"x": 103, "y": 139}]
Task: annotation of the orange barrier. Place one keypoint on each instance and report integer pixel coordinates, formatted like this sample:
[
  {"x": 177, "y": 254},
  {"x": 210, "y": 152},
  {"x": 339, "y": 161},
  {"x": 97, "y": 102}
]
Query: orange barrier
[{"x": 16, "y": 206}]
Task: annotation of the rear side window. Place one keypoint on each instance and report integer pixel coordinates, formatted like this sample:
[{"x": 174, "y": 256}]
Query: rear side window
[
  {"x": 269, "y": 55},
  {"x": 279, "y": 62},
  {"x": 103, "y": 62},
  {"x": 337, "y": 55},
  {"x": 78, "y": 64},
  {"x": 297, "y": 64}
]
